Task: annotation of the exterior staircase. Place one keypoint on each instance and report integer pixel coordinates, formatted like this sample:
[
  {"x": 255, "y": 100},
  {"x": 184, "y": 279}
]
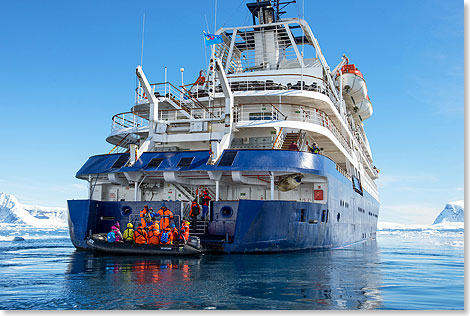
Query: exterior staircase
[
  {"x": 201, "y": 227},
  {"x": 290, "y": 137}
]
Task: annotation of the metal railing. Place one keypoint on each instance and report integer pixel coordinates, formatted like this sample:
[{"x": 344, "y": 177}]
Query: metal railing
[
  {"x": 244, "y": 58},
  {"x": 179, "y": 96},
  {"x": 315, "y": 116},
  {"x": 279, "y": 139},
  {"x": 128, "y": 120},
  {"x": 121, "y": 146},
  {"x": 257, "y": 112},
  {"x": 295, "y": 112}
]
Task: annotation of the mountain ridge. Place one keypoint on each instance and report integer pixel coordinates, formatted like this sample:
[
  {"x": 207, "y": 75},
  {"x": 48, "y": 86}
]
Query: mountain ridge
[
  {"x": 452, "y": 212},
  {"x": 15, "y": 213}
]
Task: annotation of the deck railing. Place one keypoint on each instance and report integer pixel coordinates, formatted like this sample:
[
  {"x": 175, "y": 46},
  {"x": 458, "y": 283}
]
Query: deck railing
[
  {"x": 295, "y": 112},
  {"x": 179, "y": 96},
  {"x": 128, "y": 120}
]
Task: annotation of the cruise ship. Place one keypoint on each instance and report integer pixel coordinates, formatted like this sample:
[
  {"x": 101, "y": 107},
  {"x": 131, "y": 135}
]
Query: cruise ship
[{"x": 272, "y": 133}]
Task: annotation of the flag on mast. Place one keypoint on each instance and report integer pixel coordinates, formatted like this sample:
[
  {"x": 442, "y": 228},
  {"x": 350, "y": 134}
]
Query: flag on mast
[{"x": 211, "y": 39}]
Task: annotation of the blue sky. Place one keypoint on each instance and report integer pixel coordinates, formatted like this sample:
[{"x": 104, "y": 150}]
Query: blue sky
[{"x": 67, "y": 67}]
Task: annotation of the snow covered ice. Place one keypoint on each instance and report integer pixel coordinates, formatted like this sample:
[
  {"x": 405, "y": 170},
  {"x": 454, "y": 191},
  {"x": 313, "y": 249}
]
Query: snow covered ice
[
  {"x": 13, "y": 212},
  {"x": 452, "y": 212}
]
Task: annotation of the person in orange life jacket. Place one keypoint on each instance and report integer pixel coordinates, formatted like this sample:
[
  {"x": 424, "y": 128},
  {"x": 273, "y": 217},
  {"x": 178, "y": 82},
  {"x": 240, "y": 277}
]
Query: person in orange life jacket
[
  {"x": 143, "y": 213},
  {"x": 185, "y": 231},
  {"x": 140, "y": 235},
  {"x": 153, "y": 234},
  {"x": 166, "y": 236},
  {"x": 174, "y": 233},
  {"x": 194, "y": 212},
  {"x": 205, "y": 204},
  {"x": 166, "y": 215}
]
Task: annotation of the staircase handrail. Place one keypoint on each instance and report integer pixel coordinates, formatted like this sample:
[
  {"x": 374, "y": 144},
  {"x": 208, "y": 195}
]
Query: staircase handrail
[
  {"x": 119, "y": 143},
  {"x": 279, "y": 139}
]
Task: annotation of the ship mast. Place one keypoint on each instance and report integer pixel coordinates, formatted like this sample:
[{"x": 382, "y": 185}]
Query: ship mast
[{"x": 267, "y": 11}]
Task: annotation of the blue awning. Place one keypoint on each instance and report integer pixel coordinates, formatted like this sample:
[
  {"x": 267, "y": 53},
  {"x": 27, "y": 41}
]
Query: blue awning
[{"x": 244, "y": 160}]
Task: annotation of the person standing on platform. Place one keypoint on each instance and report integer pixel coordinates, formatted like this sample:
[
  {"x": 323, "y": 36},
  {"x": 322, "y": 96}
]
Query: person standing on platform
[
  {"x": 185, "y": 231},
  {"x": 194, "y": 212},
  {"x": 165, "y": 216},
  {"x": 205, "y": 204},
  {"x": 143, "y": 214}
]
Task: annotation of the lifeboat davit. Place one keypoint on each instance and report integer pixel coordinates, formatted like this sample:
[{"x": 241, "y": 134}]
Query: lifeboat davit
[{"x": 355, "y": 90}]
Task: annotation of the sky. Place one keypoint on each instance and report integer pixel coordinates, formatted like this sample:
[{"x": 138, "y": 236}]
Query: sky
[{"x": 68, "y": 66}]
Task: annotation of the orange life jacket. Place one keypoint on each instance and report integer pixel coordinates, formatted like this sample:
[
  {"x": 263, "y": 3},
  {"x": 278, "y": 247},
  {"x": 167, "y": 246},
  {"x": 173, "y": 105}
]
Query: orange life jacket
[
  {"x": 165, "y": 221},
  {"x": 153, "y": 234},
  {"x": 142, "y": 220},
  {"x": 140, "y": 236},
  {"x": 174, "y": 234},
  {"x": 185, "y": 231}
]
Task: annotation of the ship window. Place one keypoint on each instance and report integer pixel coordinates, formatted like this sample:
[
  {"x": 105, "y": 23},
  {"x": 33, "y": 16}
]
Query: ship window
[
  {"x": 227, "y": 158},
  {"x": 126, "y": 210},
  {"x": 260, "y": 117},
  {"x": 185, "y": 162},
  {"x": 121, "y": 161},
  {"x": 302, "y": 215},
  {"x": 154, "y": 163},
  {"x": 338, "y": 217},
  {"x": 226, "y": 211},
  {"x": 323, "y": 215}
]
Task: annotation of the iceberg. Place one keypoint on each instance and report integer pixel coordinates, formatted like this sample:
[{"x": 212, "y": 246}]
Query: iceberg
[
  {"x": 452, "y": 212},
  {"x": 13, "y": 212}
]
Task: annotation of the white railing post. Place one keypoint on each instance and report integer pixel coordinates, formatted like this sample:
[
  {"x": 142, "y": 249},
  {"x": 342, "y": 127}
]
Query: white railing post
[{"x": 271, "y": 174}]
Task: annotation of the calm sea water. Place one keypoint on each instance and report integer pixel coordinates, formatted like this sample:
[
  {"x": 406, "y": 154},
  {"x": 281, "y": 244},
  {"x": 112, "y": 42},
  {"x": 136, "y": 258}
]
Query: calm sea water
[{"x": 400, "y": 270}]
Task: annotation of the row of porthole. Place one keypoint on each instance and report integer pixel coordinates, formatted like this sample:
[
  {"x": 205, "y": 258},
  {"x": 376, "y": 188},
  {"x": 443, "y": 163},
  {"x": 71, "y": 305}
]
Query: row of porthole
[{"x": 343, "y": 203}]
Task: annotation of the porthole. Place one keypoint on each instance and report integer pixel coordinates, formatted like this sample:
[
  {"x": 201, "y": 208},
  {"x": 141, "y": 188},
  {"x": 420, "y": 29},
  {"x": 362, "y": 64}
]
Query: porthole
[
  {"x": 126, "y": 210},
  {"x": 226, "y": 211},
  {"x": 338, "y": 217}
]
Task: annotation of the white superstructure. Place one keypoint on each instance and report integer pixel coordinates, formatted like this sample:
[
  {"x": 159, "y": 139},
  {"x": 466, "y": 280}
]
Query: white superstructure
[{"x": 266, "y": 86}]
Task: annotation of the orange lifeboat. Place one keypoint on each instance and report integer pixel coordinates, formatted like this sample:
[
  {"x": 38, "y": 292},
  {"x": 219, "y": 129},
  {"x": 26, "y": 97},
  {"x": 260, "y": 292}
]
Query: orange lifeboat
[{"x": 355, "y": 90}]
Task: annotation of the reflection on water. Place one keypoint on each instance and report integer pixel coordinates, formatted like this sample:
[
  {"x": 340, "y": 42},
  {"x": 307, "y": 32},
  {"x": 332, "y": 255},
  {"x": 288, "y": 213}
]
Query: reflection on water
[
  {"x": 409, "y": 270},
  {"x": 340, "y": 279}
]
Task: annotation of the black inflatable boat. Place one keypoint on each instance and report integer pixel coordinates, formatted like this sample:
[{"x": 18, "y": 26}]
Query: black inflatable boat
[{"x": 98, "y": 243}]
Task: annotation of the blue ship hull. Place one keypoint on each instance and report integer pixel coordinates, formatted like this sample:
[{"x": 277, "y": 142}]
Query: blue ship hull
[{"x": 255, "y": 225}]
